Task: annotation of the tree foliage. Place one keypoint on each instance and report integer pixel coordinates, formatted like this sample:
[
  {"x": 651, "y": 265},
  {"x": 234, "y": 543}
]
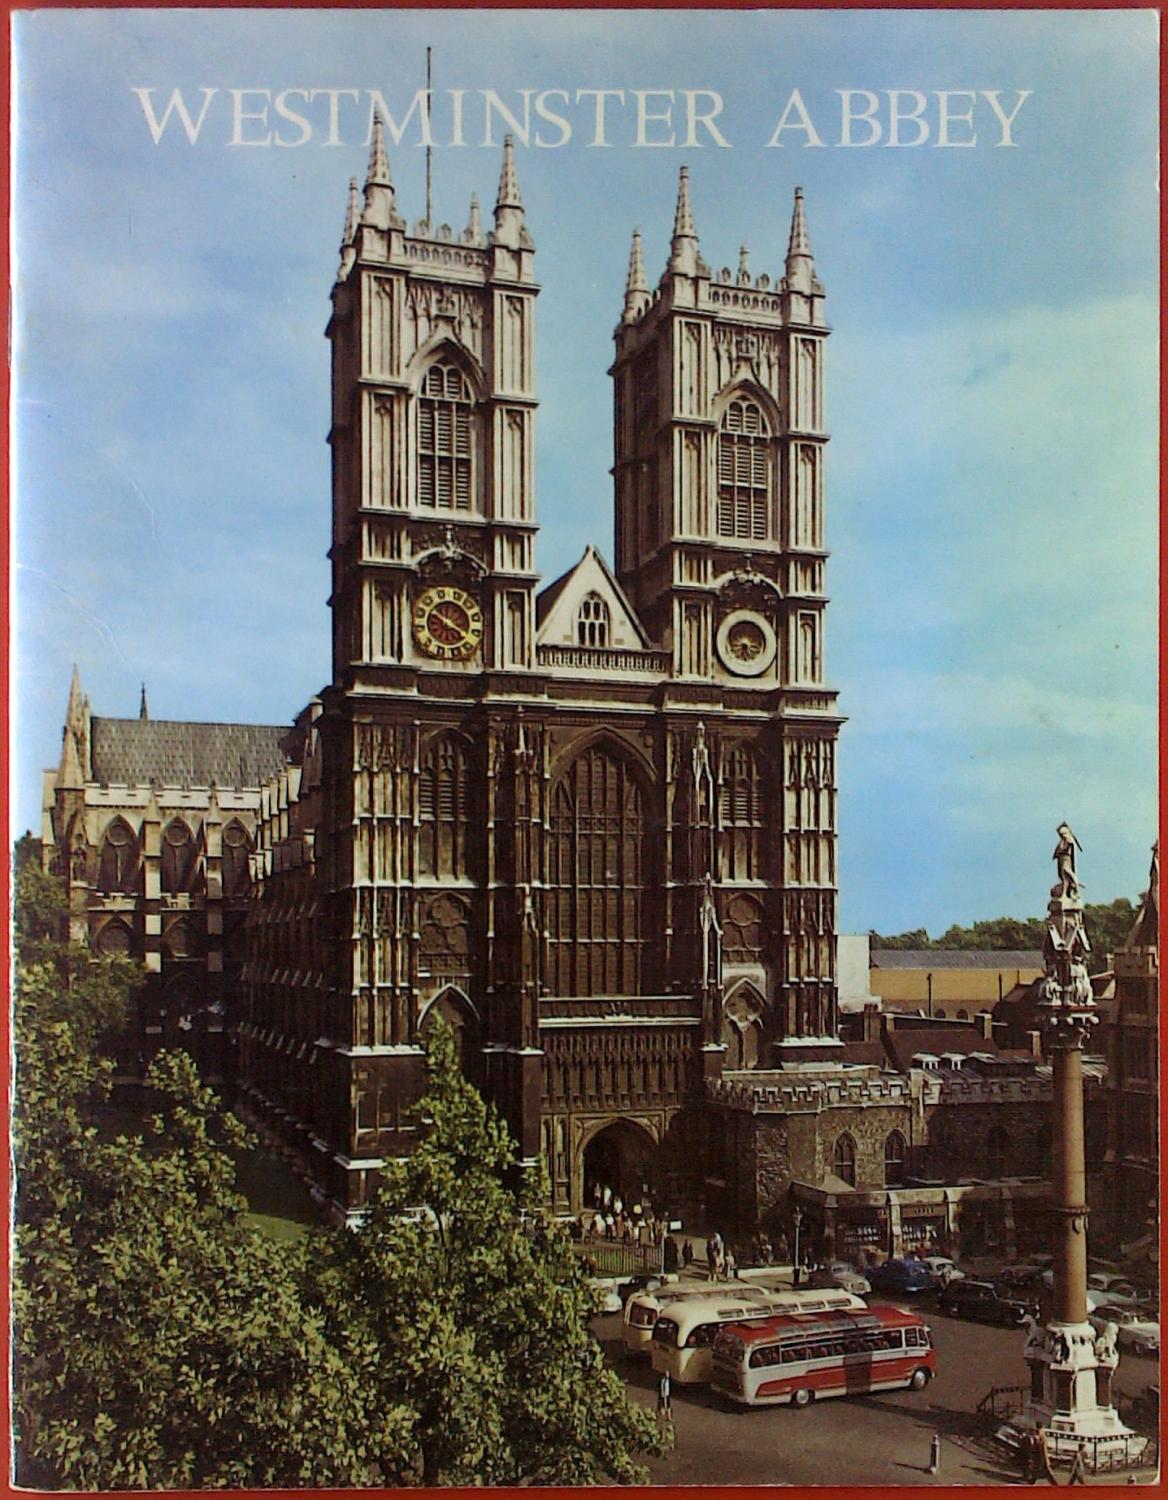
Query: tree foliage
[
  {"x": 1108, "y": 925},
  {"x": 460, "y": 1270},
  {"x": 161, "y": 1342}
]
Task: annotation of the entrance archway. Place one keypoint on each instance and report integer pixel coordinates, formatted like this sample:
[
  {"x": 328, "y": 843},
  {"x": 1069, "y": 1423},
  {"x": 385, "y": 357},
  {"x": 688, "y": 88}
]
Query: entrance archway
[{"x": 619, "y": 1157}]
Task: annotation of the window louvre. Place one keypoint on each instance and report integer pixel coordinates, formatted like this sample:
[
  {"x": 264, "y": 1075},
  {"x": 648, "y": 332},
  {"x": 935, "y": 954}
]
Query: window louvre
[
  {"x": 444, "y": 440},
  {"x": 744, "y": 473}
]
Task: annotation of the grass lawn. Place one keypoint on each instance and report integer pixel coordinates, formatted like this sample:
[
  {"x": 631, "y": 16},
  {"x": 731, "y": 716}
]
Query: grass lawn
[{"x": 279, "y": 1201}]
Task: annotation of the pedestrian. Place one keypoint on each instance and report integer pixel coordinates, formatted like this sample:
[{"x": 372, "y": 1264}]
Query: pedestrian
[
  {"x": 784, "y": 1250},
  {"x": 1032, "y": 1457},
  {"x": 618, "y": 1204},
  {"x": 731, "y": 1264},
  {"x": 1079, "y": 1467},
  {"x": 935, "y": 1453},
  {"x": 687, "y": 1255},
  {"x": 664, "y": 1402}
]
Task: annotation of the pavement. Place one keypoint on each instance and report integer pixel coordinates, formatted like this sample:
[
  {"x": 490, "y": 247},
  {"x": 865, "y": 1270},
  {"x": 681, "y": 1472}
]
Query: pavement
[{"x": 881, "y": 1439}]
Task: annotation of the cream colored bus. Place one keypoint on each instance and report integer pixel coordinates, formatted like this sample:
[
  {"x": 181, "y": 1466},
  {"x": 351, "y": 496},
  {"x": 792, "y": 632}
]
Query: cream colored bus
[
  {"x": 684, "y": 1335},
  {"x": 641, "y": 1311}
]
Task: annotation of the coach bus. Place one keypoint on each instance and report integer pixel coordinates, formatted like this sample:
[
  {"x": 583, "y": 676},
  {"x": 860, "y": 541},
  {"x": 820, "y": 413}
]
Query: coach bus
[
  {"x": 803, "y": 1357},
  {"x": 683, "y": 1335},
  {"x": 641, "y": 1311}
]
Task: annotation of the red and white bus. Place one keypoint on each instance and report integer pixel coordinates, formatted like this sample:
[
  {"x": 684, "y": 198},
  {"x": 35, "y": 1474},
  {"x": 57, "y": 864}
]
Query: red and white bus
[
  {"x": 683, "y": 1339},
  {"x": 803, "y": 1357}
]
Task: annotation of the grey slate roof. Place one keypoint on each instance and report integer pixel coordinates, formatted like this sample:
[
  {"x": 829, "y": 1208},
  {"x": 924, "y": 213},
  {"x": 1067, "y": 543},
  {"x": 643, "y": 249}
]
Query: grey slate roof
[
  {"x": 955, "y": 958},
  {"x": 172, "y": 752}
]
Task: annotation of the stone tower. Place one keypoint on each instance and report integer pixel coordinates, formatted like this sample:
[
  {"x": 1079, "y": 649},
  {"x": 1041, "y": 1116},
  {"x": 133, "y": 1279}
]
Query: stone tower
[
  {"x": 719, "y": 457},
  {"x": 432, "y": 435}
]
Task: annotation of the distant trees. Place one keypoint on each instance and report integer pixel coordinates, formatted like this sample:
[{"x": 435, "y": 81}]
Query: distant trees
[
  {"x": 161, "y": 1342},
  {"x": 1108, "y": 925}
]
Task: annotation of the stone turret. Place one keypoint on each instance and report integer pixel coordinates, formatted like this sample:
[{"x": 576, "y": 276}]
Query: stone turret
[
  {"x": 683, "y": 248},
  {"x": 636, "y": 288}
]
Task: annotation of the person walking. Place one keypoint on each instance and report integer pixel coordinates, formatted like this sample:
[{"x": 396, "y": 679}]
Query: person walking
[
  {"x": 665, "y": 1402},
  {"x": 731, "y": 1264},
  {"x": 687, "y": 1255},
  {"x": 1079, "y": 1467}
]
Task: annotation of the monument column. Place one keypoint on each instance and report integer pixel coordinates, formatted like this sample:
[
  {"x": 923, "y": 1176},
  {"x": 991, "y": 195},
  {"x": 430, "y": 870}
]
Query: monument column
[{"x": 1071, "y": 1365}]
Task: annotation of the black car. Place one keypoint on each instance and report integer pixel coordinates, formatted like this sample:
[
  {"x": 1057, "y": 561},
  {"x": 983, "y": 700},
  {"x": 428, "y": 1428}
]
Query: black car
[
  {"x": 639, "y": 1281},
  {"x": 986, "y": 1302}
]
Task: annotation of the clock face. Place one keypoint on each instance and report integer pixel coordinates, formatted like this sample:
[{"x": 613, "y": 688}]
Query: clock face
[
  {"x": 448, "y": 623},
  {"x": 746, "y": 643}
]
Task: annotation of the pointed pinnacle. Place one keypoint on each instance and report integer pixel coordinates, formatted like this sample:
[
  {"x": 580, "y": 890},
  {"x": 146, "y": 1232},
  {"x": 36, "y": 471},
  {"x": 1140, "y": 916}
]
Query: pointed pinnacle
[
  {"x": 352, "y": 213},
  {"x": 474, "y": 227},
  {"x": 743, "y": 262},
  {"x": 800, "y": 243},
  {"x": 508, "y": 180},
  {"x": 636, "y": 280},
  {"x": 683, "y": 220},
  {"x": 378, "y": 173},
  {"x": 143, "y": 711},
  {"x": 74, "y": 706}
]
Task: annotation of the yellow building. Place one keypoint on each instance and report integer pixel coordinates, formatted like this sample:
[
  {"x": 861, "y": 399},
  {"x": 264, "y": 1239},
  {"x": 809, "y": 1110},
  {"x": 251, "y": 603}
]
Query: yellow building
[{"x": 949, "y": 983}]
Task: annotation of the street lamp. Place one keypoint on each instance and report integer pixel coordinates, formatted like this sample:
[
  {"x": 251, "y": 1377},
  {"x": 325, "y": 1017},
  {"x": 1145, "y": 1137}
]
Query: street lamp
[{"x": 797, "y": 1219}]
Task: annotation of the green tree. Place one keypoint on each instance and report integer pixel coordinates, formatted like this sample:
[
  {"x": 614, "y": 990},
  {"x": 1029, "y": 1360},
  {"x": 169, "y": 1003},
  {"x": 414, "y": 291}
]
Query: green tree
[
  {"x": 159, "y": 1341},
  {"x": 1107, "y": 924},
  {"x": 462, "y": 1272}
]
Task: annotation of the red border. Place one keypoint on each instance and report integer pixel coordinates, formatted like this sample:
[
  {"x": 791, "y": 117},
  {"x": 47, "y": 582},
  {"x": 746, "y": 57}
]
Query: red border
[{"x": 6, "y": 833}]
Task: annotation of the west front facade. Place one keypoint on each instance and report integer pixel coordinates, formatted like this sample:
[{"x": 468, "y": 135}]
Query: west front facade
[{"x": 593, "y": 826}]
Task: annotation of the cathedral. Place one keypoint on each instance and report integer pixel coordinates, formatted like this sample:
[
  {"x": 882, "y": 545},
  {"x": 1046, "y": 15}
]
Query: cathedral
[{"x": 590, "y": 826}]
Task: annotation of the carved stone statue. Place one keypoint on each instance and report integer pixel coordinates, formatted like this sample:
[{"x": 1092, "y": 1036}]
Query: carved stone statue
[
  {"x": 1105, "y": 1344},
  {"x": 1064, "y": 858}
]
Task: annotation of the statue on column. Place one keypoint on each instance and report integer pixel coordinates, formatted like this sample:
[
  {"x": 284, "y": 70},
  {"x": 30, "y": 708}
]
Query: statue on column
[{"x": 1064, "y": 858}]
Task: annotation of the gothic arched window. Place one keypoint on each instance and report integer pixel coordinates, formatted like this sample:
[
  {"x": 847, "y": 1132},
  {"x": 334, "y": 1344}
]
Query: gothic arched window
[
  {"x": 443, "y": 810},
  {"x": 115, "y": 937},
  {"x": 592, "y": 622},
  {"x": 595, "y": 879},
  {"x": 844, "y": 1160},
  {"x": 744, "y": 473},
  {"x": 895, "y": 1155},
  {"x": 742, "y": 815},
  {"x": 179, "y": 857},
  {"x": 119, "y": 869},
  {"x": 236, "y": 865},
  {"x": 445, "y": 429}
]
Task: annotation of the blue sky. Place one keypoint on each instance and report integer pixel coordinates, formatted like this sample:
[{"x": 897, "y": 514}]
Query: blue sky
[{"x": 992, "y": 380}]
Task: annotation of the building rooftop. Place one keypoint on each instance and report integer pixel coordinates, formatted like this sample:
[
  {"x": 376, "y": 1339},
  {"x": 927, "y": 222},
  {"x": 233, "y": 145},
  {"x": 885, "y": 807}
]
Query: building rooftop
[
  {"x": 956, "y": 958},
  {"x": 171, "y": 752}
]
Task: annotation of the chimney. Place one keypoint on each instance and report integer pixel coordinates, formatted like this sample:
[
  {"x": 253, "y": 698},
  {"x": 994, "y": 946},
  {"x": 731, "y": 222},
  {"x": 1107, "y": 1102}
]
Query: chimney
[
  {"x": 985, "y": 1024},
  {"x": 1035, "y": 1040},
  {"x": 871, "y": 1031}
]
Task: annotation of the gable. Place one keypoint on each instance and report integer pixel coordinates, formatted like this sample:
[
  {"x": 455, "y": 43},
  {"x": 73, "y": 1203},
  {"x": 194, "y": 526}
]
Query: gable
[{"x": 561, "y": 603}]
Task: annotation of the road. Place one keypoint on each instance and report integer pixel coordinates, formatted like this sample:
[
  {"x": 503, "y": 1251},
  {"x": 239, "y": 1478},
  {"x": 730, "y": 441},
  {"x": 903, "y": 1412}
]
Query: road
[{"x": 875, "y": 1440}]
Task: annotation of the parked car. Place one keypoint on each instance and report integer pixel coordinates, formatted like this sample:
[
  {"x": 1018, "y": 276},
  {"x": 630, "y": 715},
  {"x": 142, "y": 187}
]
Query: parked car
[
  {"x": 902, "y": 1277},
  {"x": 640, "y": 1281},
  {"x": 606, "y": 1289},
  {"x": 1111, "y": 1285},
  {"x": 985, "y": 1302},
  {"x": 840, "y": 1274},
  {"x": 1140, "y": 1335},
  {"x": 942, "y": 1269},
  {"x": 1029, "y": 1274}
]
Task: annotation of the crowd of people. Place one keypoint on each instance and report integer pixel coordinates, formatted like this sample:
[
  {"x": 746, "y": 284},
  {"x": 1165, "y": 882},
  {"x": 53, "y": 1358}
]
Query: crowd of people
[{"x": 610, "y": 1218}]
